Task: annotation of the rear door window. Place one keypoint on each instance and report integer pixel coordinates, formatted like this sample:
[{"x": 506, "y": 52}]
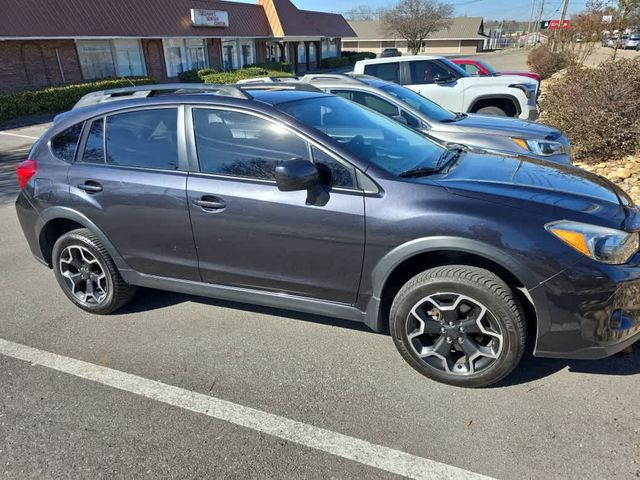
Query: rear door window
[
  {"x": 145, "y": 139},
  {"x": 386, "y": 71},
  {"x": 374, "y": 102},
  {"x": 65, "y": 143}
]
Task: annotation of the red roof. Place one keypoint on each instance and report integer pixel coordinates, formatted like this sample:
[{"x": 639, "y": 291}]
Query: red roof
[{"x": 155, "y": 18}]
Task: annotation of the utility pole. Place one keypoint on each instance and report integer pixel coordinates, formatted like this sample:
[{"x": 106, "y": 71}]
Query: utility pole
[
  {"x": 537, "y": 30},
  {"x": 562, "y": 17},
  {"x": 533, "y": 6}
]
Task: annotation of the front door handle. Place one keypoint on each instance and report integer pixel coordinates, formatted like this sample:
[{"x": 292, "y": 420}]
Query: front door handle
[
  {"x": 90, "y": 186},
  {"x": 209, "y": 202}
]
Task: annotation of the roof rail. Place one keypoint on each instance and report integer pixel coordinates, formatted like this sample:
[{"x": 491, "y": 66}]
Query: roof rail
[
  {"x": 338, "y": 77},
  {"x": 267, "y": 80},
  {"x": 277, "y": 86},
  {"x": 144, "y": 91}
]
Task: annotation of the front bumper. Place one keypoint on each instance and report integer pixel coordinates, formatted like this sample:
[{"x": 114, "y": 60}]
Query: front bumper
[
  {"x": 533, "y": 114},
  {"x": 588, "y": 311}
]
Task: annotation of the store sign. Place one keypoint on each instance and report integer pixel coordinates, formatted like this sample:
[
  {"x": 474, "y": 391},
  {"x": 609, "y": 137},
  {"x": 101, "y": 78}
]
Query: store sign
[{"x": 209, "y": 18}]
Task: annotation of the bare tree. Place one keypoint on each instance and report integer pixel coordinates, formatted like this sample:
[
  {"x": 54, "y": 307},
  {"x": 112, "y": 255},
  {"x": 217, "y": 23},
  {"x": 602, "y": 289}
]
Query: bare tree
[
  {"x": 361, "y": 12},
  {"x": 414, "y": 20}
]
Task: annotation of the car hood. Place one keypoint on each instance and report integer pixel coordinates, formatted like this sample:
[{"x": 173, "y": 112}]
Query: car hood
[
  {"x": 492, "y": 124},
  {"x": 523, "y": 179}
]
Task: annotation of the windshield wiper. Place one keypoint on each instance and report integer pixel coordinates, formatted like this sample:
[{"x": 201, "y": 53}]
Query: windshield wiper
[{"x": 450, "y": 155}]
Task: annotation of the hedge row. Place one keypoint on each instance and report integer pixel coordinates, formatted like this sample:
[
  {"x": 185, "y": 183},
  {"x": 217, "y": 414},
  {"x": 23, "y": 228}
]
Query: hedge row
[
  {"x": 57, "y": 99},
  {"x": 243, "y": 73},
  {"x": 357, "y": 56},
  {"x": 195, "y": 76},
  {"x": 279, "y": 66},
  {"x": 335, "y": 62}
]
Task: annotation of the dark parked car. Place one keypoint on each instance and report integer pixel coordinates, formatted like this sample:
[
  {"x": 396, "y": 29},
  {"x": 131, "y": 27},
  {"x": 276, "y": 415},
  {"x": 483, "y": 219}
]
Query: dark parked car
[
  {"x": 390, "y": 52},
  {"x": 296, "y": 199}
]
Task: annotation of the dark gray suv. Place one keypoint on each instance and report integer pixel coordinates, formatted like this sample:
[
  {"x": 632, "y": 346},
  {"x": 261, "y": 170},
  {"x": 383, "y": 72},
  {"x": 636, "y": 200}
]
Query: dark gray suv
[{"x": 290, "y": 198}]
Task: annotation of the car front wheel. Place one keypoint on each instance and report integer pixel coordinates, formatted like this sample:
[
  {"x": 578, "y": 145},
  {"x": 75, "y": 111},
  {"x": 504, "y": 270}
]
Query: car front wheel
[
  {"x": 458, "y": 325},
  {"x": 87, "y": 274}
]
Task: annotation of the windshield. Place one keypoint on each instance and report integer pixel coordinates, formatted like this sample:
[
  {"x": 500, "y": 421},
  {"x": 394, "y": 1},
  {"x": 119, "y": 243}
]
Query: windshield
[
  {"x": 367, "y": 134},
  {"x": 432, "y": 110},
  {"x": 487, "y": 67}
]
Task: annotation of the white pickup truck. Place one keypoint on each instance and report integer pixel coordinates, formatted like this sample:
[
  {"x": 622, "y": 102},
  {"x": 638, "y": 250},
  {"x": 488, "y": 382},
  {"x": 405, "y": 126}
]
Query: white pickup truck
[{"x": 443, "y": 82}]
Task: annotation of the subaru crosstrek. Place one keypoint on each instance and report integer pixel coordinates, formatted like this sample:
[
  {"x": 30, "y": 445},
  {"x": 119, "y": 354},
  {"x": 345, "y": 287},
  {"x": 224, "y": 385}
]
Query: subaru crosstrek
[{"x": 306, "y": 201}]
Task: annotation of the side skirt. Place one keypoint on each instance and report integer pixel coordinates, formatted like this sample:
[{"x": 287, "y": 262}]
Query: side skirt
[{"x": 246, "y": 295}]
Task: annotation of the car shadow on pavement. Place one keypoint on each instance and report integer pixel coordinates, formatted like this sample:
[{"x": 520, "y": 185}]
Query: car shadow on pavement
[
  {"x": 530, "y": 368},
  {"x": 148, "y": 299}
]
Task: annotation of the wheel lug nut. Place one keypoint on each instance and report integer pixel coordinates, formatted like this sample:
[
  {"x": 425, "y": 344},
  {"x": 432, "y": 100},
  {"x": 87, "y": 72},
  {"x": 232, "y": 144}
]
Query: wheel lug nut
[
  {"x": 449, "y": 340},
  {"x": 451, "y": 324},
  {"x": 460, "y": 339},
  {"x": 461, "y": 329},
  {"x": 442, "y": 329}
]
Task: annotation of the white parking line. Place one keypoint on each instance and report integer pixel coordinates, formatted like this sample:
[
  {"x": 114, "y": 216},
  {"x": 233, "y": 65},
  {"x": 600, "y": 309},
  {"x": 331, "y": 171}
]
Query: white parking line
[
  {"x": 18, "y": 135},
  {"x": 378, "y": 456}
]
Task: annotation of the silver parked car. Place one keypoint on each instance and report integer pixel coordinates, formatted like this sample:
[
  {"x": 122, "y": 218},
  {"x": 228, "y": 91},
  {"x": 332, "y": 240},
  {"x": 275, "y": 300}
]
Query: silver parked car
[{"x": 496, "y": 134}]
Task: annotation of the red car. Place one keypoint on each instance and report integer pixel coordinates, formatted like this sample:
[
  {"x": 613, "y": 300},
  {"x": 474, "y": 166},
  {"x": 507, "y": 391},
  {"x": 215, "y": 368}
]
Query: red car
[{"x": 478, "y": 67}]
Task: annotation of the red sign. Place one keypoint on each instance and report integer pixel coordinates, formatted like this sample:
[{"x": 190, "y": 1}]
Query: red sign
[{"x": 555, "y": 25}]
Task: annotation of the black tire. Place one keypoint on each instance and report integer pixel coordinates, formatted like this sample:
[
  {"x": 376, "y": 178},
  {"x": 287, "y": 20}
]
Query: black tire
[
  {"x": 496, "y": 111},
  {"x": 107, "y": 294},
  {"x": 502, "y": 324}
]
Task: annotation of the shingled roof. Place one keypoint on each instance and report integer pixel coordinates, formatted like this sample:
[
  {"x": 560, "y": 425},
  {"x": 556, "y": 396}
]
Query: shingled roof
[
  {"x": 161, "y": 18},
  {"x": 461, "y": 28}
]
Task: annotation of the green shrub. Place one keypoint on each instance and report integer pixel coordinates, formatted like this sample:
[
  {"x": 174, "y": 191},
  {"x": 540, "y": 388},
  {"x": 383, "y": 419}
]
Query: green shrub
[
  {"x": 545, "y": 62},
  {"x": 598, "y": 109},
  {"x": 335, "y": 62},
  {"x": 57, "y": 99},
  {"x": 357, "y": 56},
  {"x": 279, "y": 66},
  {"x": 243, "y": 73},
  {"x": 195, "y": 76}
]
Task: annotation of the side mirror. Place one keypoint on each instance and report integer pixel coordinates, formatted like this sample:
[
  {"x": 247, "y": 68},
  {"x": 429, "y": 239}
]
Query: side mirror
[
  {"x": 442, "y": 79},
  {"x": 297, "y": 174}
]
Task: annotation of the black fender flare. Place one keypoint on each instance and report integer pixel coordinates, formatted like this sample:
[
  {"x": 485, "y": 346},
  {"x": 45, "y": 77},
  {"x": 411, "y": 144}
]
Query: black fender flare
[
  {"x": 500, "y": 96},
  {"x": 57, "y": 212},
  {"x": 387, "y": 264}
]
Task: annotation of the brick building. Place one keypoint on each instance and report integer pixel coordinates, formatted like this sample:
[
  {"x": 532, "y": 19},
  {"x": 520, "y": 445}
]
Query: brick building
[{"x": 46, "y": 42}]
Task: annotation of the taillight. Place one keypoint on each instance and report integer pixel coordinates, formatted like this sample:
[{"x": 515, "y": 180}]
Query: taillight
[{"x": 25, "y": 170}]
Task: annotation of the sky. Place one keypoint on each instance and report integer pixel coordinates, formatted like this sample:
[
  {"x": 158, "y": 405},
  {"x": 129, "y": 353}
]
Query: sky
[{"x": 489, "y": 9}]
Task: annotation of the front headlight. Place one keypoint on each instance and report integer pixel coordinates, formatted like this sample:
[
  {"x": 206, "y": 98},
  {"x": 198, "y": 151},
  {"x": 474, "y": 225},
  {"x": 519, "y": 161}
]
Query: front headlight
[
  {"x": 543, "y": 148},
  {"x": 606, "y": 245},
  {"x": 529, "y": 89}
]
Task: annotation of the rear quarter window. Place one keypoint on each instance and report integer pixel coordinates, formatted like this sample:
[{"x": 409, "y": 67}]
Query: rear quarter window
[
  {"x": 64, "y": 144},
  {"x": 386, "y": 71}
]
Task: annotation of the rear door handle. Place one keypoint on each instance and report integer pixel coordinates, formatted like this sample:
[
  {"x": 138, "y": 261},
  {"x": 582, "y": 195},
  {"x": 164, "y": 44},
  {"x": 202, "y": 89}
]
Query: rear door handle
[
  {"x": 209, "y": 202},
  {"x": 90, "y": 186}
]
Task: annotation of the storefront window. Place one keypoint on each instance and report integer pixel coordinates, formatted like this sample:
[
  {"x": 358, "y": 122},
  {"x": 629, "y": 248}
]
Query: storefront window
[
  {"x": 302, "y": 57},
  {"x": 129, "y": 61},
  {"x": 229, "y": 60},
  {"x": 181, "y": 55},
  {"x": 96, "y": 59},
  {"x": 247, "y": 49},
  {"x": 329, "y": 48}
]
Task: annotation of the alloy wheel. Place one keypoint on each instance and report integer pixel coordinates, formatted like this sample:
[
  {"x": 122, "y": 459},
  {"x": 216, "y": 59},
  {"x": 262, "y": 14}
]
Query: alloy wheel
[
  {"x": 83, "y": 275},
  {"x": 454, "y": 333}
]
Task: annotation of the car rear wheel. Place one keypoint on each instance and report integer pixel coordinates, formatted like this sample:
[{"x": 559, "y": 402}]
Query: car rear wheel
[
  {"x": 458, "y": 325},
  {"x": 497, "y": 111},
  {"x": 87, "y": 274}
]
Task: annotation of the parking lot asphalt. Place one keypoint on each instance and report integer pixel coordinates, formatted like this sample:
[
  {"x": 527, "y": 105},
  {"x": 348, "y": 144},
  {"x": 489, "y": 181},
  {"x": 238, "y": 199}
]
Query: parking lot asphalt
[{"x": 549, "y": 419}]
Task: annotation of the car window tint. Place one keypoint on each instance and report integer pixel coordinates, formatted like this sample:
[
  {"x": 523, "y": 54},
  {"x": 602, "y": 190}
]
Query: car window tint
[
  {"x": 64, "y": 144},
  {"x": 243, "y": 145},
  {"x": 332, "y": 172},
  {"x": 386, "y": 71},
  {"x": 94, "y": 146},
  {"x": 411, "y": 120},
  {"x": 425, "y": 72},
  {"x": 368, "y": 100},
  {"x": 146, "y": 138}
]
